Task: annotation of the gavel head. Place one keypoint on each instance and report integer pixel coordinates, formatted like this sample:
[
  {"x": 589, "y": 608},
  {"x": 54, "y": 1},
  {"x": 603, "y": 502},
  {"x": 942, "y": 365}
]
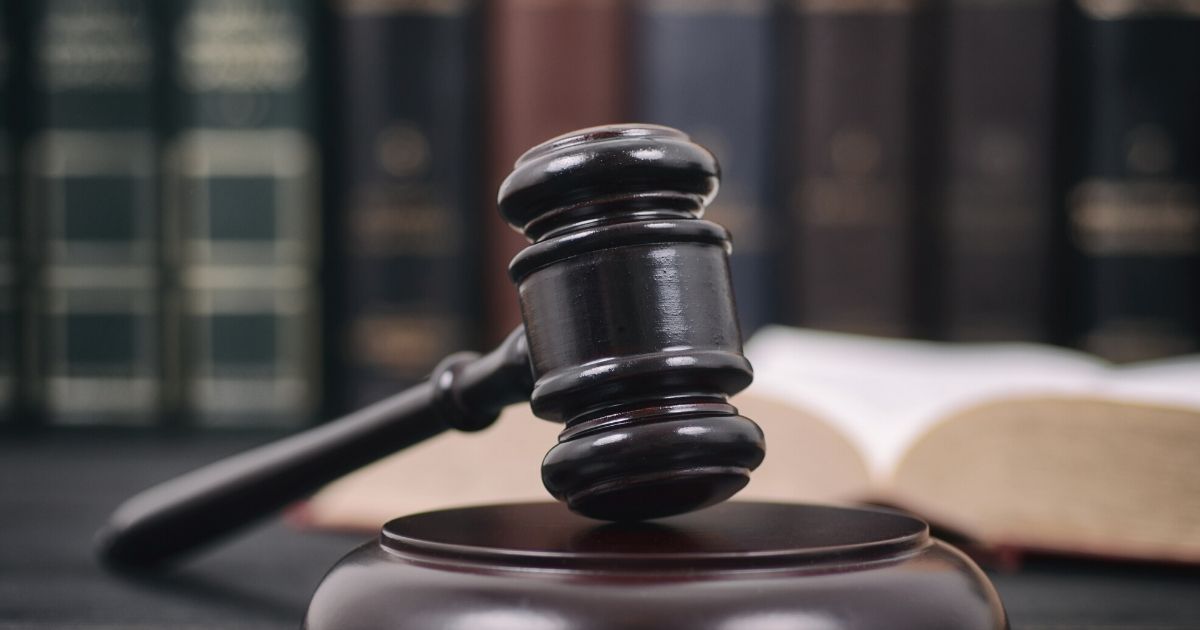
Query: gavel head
[{"x": 630, "y": 321}]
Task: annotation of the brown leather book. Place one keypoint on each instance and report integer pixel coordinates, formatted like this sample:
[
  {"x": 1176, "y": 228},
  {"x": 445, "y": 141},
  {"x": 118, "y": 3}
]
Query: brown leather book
[
  {"x": 555, "y": 66},
  {"x": 847, "y": 180},
  {"x": 996, "y": 210}
]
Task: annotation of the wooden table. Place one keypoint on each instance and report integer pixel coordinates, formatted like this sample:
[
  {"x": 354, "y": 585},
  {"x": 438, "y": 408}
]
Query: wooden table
[{"x": 55, "y": 490}]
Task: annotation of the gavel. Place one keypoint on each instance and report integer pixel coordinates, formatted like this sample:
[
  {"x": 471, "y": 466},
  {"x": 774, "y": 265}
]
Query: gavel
[{"x": 630, "y": 339}]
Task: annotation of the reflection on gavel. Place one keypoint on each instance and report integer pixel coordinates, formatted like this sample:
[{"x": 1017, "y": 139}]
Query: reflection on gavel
[{"x": 630, "y": 339}]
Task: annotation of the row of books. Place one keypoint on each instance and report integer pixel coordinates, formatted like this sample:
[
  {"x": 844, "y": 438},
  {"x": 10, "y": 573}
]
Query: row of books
[
  {"x": 161, "y": 171},
  {"x": 260, "y": 212}
]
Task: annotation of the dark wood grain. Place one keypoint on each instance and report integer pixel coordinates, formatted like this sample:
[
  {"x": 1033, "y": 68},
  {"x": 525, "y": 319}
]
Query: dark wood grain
[
  {"x": 738, "y": 565},
  {"x": 56, "y": 489}
]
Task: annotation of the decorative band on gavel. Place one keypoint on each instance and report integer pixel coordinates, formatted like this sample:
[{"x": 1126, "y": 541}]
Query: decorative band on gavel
[{"x": 630, "y": 339}]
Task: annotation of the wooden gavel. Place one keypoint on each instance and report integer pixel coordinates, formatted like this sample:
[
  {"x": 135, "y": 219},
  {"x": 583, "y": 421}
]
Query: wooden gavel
[{"x": 630, "y": 339}]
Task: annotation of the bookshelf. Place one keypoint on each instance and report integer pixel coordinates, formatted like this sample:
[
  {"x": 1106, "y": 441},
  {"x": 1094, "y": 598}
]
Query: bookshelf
[{"x": 258, "y": 214}]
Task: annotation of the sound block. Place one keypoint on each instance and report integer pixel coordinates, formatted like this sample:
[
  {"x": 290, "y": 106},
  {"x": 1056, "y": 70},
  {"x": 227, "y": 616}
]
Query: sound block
[{"x": 738, "y": 565}]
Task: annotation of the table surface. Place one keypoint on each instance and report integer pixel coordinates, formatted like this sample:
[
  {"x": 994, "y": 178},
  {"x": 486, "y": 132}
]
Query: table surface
[{"x": 56, "y": 490}]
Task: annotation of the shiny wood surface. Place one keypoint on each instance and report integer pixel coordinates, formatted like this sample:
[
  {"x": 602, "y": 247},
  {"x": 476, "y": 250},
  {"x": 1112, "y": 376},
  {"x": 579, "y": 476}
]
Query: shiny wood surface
[
  {"x": 749, "y": 566},
  {"x": 630, "y": 338}
]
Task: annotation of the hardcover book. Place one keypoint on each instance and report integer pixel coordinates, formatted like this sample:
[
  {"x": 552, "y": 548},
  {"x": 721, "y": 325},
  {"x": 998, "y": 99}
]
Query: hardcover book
[
  {"x": 848, "y": 111},
  {"x": 407, "y": 204},
  {"x": 91, "y": 213},
  {"x": 552, "y": 66},
  {"x": 1132, "y": 198},
  {"x": 996, "y": 212},
  {"x": 706, "y": 68},
  {"x": 1014, "y": 446},
  {"x": 243, "y": 196}
]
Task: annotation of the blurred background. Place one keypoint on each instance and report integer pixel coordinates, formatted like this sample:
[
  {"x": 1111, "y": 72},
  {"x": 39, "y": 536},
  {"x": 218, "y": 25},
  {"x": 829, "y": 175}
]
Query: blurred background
[{"x": 260, "y": 213}]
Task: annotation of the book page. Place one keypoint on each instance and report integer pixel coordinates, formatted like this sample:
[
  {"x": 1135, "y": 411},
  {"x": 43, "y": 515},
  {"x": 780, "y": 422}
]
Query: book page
[
  {"x": 884, "y": 393},
  {"x": 501, "y": 464}
]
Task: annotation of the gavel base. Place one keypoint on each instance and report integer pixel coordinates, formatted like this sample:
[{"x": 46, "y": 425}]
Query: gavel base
[{"x": 738, "y": 565}]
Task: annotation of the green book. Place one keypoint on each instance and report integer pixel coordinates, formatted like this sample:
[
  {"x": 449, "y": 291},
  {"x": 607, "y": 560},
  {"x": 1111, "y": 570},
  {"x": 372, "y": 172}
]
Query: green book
[
  {"x": 91, "y": 211},
  {"x": 243, "y": 200}
]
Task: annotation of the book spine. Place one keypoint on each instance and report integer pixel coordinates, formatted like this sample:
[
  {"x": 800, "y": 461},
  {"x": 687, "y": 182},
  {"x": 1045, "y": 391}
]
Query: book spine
[
  {"x": 91, "y": 218},
  {"x": 8, "y": 226},
  {"x": 243, "y": 200},
  {"x": 996, "y": 170},
  {"x": 705, "y": 68},
  {"x": 408, "y": 192},
  {"x": 554, "y": 66},
  {"x": 849, "y": 114},
  {"x": 1132, "y": 193}
]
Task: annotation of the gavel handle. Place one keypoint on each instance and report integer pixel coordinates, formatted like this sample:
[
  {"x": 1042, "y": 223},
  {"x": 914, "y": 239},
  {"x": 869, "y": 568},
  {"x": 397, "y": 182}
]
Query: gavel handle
[{"x": 164, "y": 523}]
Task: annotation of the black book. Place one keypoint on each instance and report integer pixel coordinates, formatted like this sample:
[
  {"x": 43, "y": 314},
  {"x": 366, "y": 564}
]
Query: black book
[
  {"x": 90, "y": 212},
  {"x": 706, "y": 68},
  {"x": 848, "y": 160},
  {"x": 243, "y": 200},
  {"x": 994, "y": 182},
  {"x": 1132, "y": 189},
  {"x": 407, "y": 211}
]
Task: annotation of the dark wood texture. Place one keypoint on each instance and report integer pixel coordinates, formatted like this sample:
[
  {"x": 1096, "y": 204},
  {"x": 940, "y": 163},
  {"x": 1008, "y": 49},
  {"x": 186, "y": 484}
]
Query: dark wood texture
[
  {"x": 744, "y": 565},
  {"x": 55, "y": 488},
  {"x": 631, "y": 340},
  {"x": 633, "y": 333}
]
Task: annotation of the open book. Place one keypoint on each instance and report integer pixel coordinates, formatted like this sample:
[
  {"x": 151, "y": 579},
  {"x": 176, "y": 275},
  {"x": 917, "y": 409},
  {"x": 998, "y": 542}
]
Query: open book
[{"x": 1011, "y": 445}]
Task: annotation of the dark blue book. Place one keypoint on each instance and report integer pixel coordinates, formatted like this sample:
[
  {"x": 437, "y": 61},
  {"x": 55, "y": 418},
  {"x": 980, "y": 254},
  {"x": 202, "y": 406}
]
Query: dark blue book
[
  {"x": 1132, "y": 185},
  {"x": 405, "y": 240},
  {"x": 706, "y": 68},
  {"x": 243, "y": 199},
  {"x": 91, "y": 212}
]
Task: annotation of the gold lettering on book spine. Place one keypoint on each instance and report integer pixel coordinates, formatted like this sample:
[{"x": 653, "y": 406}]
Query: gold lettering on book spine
[
  {"x": 405, "y": 344},
  {"x": 93, "y": 44},
  {"x": 1121, "y": 217},
  {"x": 242, "y": 45}
]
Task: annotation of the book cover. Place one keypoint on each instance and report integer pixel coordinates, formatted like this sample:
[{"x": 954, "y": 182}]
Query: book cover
[
  {"x": 91, "y": 215},
  {"x": 706, "y": 68},
  {"x": 995, "y": 175},
  {"x": 1132, "y": 202},
  {"x": 243, "y": 201},
  {"x": 553, "y": 66},
  {"x": 848, "y": 111},
  {"x": 408, "y": 192}
]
